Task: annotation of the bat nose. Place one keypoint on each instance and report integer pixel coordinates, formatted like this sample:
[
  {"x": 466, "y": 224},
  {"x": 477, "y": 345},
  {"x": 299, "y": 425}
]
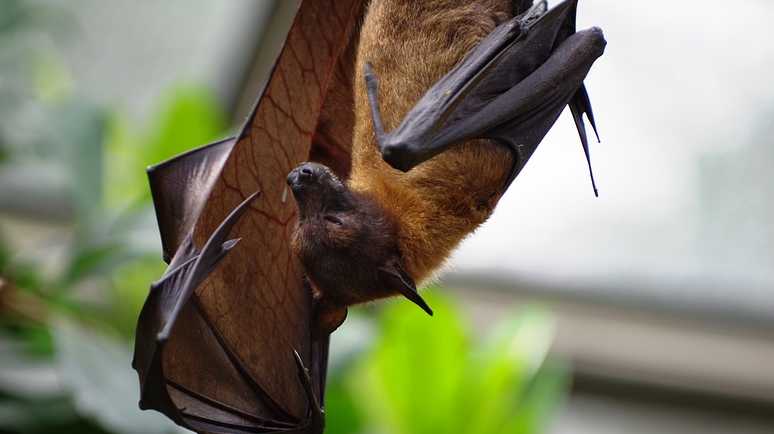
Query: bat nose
[
  {"x": 302, "y": 174},
  {"x": 307, "y": 171}
]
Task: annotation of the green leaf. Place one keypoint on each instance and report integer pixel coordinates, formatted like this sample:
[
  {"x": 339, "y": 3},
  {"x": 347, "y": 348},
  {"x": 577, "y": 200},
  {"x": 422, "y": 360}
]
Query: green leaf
[
  {"x": 31, "y": 416},
  {"x": 129, "y": 287},
  {"x": 25, "y": 276},
  {"x": 423, "y": 375},
  {"x": 189, "y": 117},
  {"x": 342, "y": 413},
  {"x": 5, "y": 255},
  {"x": 32, "y": 339},
  {"x": 409, "y": 383},
  {"x": 541, "y": 400},
  {"x": 503, "y": 368},
  {"x": 88, "y": 261},
  {"x": 95, "y": 370},
  {"x": 77, "y": 130}
]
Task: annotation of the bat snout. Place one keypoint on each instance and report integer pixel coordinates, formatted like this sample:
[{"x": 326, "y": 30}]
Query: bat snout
[
  {"x": 304, "y": 173},
  {"x": 310, "y": 174}
]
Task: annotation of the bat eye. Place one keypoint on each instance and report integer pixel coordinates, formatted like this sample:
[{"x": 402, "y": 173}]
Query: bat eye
[{"x": 333, "y": 219}]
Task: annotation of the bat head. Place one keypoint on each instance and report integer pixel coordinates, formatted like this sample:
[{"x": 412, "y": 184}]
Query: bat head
[
  {"x": 331, "y": 214},
  {"x": 341, "y": 215},
  {"x": 343, "y": 238}
]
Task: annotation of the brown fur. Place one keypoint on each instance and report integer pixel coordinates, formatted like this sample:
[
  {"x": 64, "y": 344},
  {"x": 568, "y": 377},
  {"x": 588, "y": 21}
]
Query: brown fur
[{"x": 411, "y": 44}]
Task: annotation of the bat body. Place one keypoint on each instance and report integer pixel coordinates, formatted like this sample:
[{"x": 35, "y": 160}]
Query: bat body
[{"x": 469, "y": 89}]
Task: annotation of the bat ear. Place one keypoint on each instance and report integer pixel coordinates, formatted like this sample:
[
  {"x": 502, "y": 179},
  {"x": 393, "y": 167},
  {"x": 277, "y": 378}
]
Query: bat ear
[{"x": 396, "y": 277}]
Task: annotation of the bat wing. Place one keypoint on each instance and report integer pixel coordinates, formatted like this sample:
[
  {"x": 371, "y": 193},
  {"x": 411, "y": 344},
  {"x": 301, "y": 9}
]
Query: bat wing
[
  {"x": 511, "y": 88},
  {"x": 332, "y": 141},
  {"x": 180, "y": 186},
  {"x": 173, "y": 319},
  {"x": 225, "y": 341}
]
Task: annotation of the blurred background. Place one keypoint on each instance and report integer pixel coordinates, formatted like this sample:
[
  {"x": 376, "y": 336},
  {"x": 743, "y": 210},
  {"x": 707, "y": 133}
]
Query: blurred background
[{"x": 647, "y": 310}]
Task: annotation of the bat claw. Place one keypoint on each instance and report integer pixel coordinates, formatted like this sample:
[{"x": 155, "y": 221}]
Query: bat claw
[
  {"x": 316, "y": 415},
  {"x": 200, "y": 265},
  {"x": 230, "y": 244}
]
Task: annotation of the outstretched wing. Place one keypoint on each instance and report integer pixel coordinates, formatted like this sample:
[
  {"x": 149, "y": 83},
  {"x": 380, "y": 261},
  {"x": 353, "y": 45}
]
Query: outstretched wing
[
  {"x": 225, "y": 340},
  {"x": 511, "y": 88}
]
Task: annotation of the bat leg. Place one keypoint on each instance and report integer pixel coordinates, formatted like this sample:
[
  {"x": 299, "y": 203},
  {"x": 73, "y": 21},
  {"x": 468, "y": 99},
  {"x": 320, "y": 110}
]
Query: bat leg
[
  {"x": 397, "y": 154},
  {"x": 387, "y": 150}
]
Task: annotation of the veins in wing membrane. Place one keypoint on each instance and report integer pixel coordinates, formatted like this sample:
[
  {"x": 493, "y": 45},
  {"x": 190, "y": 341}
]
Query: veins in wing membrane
[{"x": 284, "y": 419}]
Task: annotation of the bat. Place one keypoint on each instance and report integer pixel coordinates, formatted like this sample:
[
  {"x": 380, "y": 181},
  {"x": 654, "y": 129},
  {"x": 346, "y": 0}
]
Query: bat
[
  {"x": 226, "y": 341},
  {"x": 469, "y": 90},
  {"x": 234, "y": 337}
]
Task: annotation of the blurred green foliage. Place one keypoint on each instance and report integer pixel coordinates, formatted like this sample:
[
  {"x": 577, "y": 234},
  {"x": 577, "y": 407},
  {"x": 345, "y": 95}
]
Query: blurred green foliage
[
  {"x": 429, "y": 375},
  {"x": 66, "y": 323},
  {"x": 100, "y": 285},
  {"x": 189, "y": 115},
  {"x": 66, "y": 330}
]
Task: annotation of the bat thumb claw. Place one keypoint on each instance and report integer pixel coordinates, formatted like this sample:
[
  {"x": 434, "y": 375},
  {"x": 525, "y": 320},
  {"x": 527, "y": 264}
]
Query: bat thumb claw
[{"x": 230, "y": 244}]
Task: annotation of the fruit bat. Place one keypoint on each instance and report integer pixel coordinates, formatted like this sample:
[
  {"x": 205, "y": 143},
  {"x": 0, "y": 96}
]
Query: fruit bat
[
  {"x": 464, "y": 123},
  {"x": 233, "y": 338}
]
